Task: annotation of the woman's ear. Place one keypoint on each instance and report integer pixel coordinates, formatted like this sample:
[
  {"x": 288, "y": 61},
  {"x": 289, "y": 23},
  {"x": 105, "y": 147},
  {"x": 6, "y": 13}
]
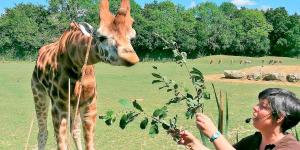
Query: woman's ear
[{"x": 281, "y": 118}]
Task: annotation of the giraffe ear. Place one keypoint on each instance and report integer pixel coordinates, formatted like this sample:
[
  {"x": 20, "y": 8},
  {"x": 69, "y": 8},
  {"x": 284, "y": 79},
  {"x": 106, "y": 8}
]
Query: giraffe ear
[
  {"x": 104, "y": 12},
  {"x": 125, "y": 5},
  {"x": 124, "y": 10}
]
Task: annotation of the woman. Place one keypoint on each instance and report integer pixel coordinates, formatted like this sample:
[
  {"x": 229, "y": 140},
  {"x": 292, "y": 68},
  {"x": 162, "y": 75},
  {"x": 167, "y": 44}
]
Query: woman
[{"x": 277, "y": 111}]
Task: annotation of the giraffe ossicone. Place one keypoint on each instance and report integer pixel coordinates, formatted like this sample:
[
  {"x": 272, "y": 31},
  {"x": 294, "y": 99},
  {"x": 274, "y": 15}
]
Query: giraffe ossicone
[{"x": 63, "y": 60}]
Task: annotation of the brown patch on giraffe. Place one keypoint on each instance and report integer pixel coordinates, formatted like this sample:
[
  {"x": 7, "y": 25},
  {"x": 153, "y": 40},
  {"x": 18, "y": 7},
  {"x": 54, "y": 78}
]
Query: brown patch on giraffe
[
  {"x": 34, "y": 92},
  {"x": 61, "y": 105},
  {"x": 54, "y": 92},
  {"x": 35, "y": 99},
  {"x": 54, "y": 111}
]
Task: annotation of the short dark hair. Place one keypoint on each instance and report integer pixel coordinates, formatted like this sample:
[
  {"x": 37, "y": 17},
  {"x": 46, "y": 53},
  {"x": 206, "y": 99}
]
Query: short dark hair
[{"x": 283, "y": 102}]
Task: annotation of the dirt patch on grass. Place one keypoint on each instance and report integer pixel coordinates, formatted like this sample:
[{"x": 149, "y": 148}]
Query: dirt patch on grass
[{"x": 266, "y": 69}]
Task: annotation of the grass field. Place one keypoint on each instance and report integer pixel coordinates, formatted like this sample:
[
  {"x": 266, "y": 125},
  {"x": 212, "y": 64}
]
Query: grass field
[{"x": 114, "y": 83}]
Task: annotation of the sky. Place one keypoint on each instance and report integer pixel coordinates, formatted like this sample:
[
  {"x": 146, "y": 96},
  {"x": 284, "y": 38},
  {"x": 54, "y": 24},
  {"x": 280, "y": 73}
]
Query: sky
[{"x": 292, "y": 6}]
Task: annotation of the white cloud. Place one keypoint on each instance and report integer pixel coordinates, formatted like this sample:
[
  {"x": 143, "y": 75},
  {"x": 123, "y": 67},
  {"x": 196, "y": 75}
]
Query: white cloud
[
  {"x": 240, "y": 3},
  {"x": 193, "y": 4}
]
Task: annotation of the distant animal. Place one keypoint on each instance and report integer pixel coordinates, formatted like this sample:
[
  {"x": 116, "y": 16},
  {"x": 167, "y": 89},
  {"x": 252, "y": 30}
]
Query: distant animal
[
  {"x": 271, "y": 61},
  {"x": 220, "y": 61},
  {"x": 211, "y": 61},
  {"x": 262, "y": 62},
  {"x": 65, "y": 59},
  {"x": 241, "y": 61}
]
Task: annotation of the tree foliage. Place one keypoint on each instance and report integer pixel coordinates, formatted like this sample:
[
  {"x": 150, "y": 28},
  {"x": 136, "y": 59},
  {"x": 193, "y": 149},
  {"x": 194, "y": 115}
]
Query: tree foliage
[
  {"x": 205, "y": 29},
  {"x": 22, "y": 30},
  {"x": 285, "y": 35}
]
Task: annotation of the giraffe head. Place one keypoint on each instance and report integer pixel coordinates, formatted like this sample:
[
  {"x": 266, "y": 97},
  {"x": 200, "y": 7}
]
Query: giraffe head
[{"x": 113, "y": 37}]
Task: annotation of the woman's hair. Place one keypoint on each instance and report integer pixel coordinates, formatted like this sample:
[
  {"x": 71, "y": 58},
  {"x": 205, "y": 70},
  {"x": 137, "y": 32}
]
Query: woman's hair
[{"x": 283, "y": 102}]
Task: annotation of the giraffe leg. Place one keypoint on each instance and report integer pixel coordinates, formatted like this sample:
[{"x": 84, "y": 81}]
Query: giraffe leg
[
  {"x": 88, "y": 117},
  {"x": 41, "y": 107},
  {"x": 60, "y": 128},
  {"x": 75, "y": 131}
]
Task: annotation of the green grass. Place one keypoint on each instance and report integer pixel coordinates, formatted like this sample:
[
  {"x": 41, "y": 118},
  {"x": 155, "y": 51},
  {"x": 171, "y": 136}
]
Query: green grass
[{"x": 114, "y": 83}]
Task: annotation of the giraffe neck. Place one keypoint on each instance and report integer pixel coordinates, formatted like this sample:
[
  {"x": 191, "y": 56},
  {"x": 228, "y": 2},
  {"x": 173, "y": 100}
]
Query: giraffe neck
[{"x": 76, "y": 49}]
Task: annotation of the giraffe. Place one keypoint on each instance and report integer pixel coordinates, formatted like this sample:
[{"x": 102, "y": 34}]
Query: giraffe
[{"x": 64, "y": 59}]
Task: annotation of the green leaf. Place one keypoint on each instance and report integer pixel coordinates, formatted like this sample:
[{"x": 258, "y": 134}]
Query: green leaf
[
  {"x": 173, "y": 122},
  {"x": 109, "y": 121},
  {"x": 156, "y": 81},
  {"x": 144, "y": 123},
  {"x": 157, "y": 112},
  {"x": 154, "y": 67},
  {"x": 161, "y": 112},
  {"x": 109, "y": 113},
  {"x": 196, "y": 71},
  {"x": 156, "y": 75},
  {"x": 165, "y": 126},
  {"x": 188, "y": 95},
  {"x": 127, "y": 118},
  {"x": 153, "y": 130},
  {"x": 169, "y": 90},
  {"x": 137, "y": 106},
  {"x": 175, "y": 86},
  {"x": 206, "y": 95},
  {"x": 125, "y": 103},
  {"x": 131, "y": 116},
  {"x": 123, "y": 121},
  {"x": 154, "y": 121},
  {"x": 162, "y": 87},
  {"x": 189, "y": 115}
]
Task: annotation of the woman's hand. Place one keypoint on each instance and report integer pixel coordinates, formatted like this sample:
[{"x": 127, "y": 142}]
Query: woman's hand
[
  {"x": 205, "y": 124},
  {"x": 190, "y": 141}
]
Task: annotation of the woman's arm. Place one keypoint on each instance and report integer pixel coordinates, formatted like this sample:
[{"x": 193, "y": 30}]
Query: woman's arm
[{"x": 209, "y": 129}]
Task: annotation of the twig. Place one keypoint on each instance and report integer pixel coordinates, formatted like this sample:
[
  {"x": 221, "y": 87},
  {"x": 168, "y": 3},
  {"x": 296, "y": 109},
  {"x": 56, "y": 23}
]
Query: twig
[
  {"x": 29, "y": 133},
  {"x": 83, "y": 74},
  {"x": 69, "y": 114}
]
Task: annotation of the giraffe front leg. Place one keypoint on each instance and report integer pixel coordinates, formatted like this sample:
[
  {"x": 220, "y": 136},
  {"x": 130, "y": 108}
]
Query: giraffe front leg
[
  {"x": 60, "y": 128},
  {"x": 75, "y": 131},
  {"x": 88, "y": 117},
  {"x": 41, "y": 107},
  {"x": 41, "y": 113}
]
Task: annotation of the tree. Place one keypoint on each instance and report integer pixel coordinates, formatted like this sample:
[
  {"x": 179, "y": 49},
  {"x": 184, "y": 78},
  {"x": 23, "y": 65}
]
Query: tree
[
  {"x": 285, "y": 34},
  {"x": 21, "y": 30},
  {"x": 156, "y": 18},
  {"x": 279, "y": 19},
  {"x": 185, "y": 35},
  {"x": 293, "y": 37},
  {"x": 252, "y": 30},
  {"x": 213, "y": 29},
  {"x": 229, "y": 9}
]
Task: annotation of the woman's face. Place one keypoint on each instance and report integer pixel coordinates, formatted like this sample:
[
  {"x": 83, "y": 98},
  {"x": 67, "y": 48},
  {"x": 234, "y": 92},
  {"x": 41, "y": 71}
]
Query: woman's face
[{"x": 262, "y": 115}]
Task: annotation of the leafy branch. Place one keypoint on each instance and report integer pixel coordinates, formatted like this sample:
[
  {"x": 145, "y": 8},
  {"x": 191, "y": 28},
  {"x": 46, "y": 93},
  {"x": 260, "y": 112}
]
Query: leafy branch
[{"x": 194, "y": 102}]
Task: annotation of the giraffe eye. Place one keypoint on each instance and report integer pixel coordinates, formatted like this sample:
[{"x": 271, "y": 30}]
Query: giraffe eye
[{"x": 102, "y": 38}]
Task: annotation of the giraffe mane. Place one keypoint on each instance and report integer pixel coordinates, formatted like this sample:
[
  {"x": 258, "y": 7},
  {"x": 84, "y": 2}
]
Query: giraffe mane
[{"x": 53, "y": 50}]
